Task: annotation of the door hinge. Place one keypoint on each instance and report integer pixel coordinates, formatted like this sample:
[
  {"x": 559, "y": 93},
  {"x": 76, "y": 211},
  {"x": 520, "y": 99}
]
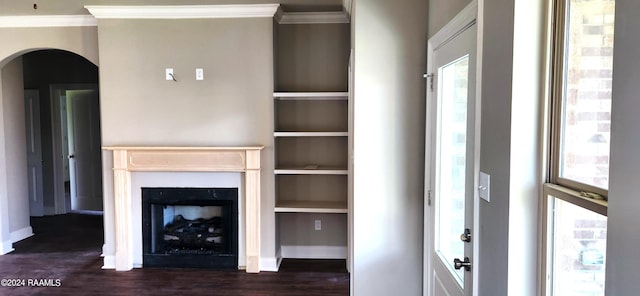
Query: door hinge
[
  {"x": 430, "y": 77},
  {"x": 429, "y": 198}
]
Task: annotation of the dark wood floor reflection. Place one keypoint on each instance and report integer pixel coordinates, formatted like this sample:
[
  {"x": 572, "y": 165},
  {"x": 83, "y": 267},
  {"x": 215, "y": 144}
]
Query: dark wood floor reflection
[{"x": 68, "y": 247}]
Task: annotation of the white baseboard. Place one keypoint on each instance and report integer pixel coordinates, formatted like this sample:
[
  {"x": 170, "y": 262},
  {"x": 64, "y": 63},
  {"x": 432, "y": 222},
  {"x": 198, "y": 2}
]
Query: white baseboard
[
  {"x": 6, "y": 247},
  {"x": 109, "y": 262},
  {"x": 270, "y": 263},
  {"x": 314, "y": 252},
  {"x": 21, "y": 234}
]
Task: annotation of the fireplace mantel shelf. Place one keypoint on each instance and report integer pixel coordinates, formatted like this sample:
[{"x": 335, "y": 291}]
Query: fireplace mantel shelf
[
  {"x": 182, "y": 148},
  {"x": 127, "y": 159}
]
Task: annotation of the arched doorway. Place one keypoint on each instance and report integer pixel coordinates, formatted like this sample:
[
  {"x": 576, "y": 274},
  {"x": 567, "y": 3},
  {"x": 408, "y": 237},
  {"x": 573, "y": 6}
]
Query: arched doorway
[
  {"x": 70, "y": 120},
  {"x": 56, "y": 78}
]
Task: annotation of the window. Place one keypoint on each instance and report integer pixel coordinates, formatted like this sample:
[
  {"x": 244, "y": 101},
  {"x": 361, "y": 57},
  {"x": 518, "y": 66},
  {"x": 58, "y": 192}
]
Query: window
[
  {"x": 582, "y": 94},
  {"x": 576, "y": 244},
  {"x": 574, "y": 198}
]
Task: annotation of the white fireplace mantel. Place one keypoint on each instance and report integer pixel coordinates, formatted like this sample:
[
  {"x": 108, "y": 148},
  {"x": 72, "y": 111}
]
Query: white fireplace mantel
[{"x": 127, "y": 159}]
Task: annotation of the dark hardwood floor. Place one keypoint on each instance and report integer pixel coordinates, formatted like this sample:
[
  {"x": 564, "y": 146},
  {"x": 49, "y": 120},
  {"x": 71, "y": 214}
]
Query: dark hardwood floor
[{"x": 67, "y": 248}]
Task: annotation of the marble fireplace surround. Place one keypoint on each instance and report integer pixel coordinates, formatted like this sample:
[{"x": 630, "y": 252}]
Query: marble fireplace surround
[{"x": 128, "y": 159}]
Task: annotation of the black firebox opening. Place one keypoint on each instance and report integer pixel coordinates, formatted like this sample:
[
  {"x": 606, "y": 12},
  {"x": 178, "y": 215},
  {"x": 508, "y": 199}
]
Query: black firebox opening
[{"x": 190, "y": 227}]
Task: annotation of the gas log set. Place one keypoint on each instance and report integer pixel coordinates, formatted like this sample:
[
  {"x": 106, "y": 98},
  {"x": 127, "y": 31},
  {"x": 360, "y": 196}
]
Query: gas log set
[{"x": 198, "y": 234}]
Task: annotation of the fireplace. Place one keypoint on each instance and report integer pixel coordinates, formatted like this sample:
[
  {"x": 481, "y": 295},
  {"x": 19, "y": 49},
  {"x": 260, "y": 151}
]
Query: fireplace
[
  {"x": 190, "y": 227},
  {"x": 120, "y": 244}
]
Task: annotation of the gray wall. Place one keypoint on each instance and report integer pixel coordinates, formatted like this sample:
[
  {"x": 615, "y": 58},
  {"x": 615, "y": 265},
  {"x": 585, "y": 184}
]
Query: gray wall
[
  {"x": 622, "y": 249},
  {"x": 15, "y": 146},
  {"x": 80, "y": 40},
  {"x": 233, "y": 106},
  {"x": 312, "y": 57},
  {"x": 297, "y": 229},
  {"x": 390, "y": 52},
  {"x": 230, "y": 107},
  {"x": 442, "y": 11},
  {"x": 495, "y": 145}
]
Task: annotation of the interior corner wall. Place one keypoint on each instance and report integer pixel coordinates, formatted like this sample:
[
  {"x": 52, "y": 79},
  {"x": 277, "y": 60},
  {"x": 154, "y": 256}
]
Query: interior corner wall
[
  {"x": 389, "y": 117},
  {"x": 622, "y": 248},
  {"x": 232, "y": 106},
  {"x": 527, "y": 130},
  {"x": 15, "y": 147},
  {"x": 495, "y": 148}
]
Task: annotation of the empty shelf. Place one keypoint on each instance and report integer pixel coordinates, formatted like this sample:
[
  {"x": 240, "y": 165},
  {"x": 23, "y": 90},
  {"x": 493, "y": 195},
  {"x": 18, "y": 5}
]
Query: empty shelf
[{"x": 296, "y": 206}]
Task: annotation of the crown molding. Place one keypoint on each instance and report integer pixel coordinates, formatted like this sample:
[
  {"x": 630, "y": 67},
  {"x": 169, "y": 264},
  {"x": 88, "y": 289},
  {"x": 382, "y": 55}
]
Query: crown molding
[
  {"x": 182, "y": 11},
  {"x": 35, "y": 21},
  {"x": 329, "y": 17}
]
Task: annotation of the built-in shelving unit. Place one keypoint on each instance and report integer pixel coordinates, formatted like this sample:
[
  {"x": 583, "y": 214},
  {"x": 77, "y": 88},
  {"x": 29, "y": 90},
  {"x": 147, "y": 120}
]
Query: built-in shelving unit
[
  {"x": 299, "y": 157},
  {"x": 311, "y": 138}
]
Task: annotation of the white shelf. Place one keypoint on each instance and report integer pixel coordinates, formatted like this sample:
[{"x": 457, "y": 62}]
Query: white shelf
[
  {"x": 310, "y": 134},
  {"x": 314, "y": 171},
  {"x": 297, "y": 206},
  {"x": 318, "y": 96}
]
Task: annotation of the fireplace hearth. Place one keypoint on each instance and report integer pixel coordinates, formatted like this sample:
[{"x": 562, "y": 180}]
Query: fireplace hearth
[{"x": 190, "y": 227}]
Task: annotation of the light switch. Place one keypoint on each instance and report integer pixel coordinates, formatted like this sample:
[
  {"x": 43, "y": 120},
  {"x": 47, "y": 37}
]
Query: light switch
[
  {"x": 199, "y": 74},
  {"x": 484, "y": 187}
]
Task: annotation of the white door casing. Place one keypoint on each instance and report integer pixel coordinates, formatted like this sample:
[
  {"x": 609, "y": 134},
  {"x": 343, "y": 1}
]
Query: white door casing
[{"x": 452, "y": 52}]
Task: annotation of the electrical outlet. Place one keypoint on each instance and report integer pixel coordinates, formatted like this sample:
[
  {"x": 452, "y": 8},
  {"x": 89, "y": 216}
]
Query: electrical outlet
[
  {"x": 318, "y": 225},
  {"x": 168, "y": 74},
  {"x": 199, "y": 74}
]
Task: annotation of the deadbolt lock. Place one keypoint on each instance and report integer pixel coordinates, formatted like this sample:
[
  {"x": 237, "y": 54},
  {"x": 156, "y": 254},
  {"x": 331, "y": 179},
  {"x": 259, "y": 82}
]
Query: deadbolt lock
[
  {"x": 466, "y": 236},
  {"x": 457, "y": 264}
]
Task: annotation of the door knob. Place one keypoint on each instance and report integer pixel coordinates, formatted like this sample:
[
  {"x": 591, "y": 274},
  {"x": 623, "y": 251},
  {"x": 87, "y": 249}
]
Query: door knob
[
  {"x": 72, "y": 156},
  {"x": 466, "y": 236},
  {"x": 457, "y": 264}
]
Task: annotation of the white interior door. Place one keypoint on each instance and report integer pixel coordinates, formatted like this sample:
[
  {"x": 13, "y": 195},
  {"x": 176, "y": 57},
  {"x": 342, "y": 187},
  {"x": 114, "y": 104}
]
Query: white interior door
[
  {"x": 450, "y": 163},
  {"x": 85, "y": 165},
  {"x": 34, "y": 151}
]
